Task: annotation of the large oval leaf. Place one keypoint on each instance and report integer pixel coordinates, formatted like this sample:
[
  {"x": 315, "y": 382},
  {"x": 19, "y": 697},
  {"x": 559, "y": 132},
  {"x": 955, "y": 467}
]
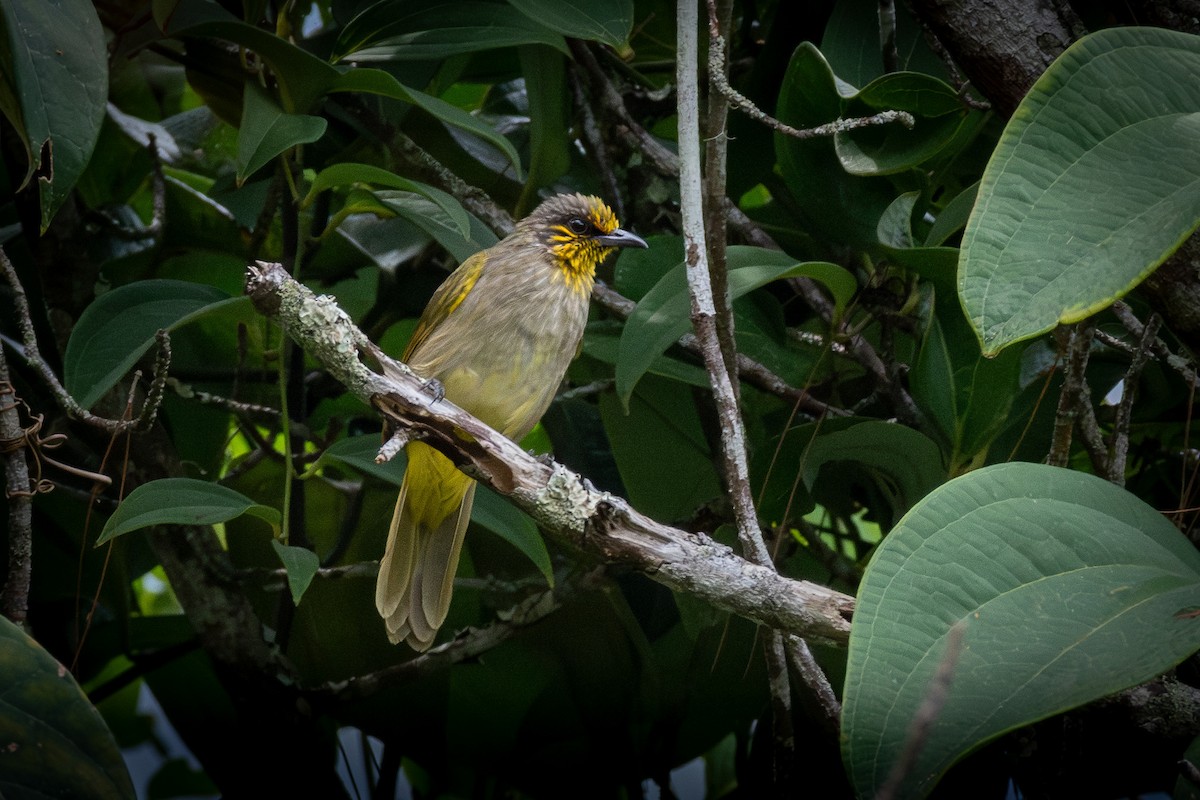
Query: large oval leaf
[
  {"x": 55, "y": 742},
  {"x": 1095, "y": 181},
  {"x": 1067, "y": 588},
  {"x": 885, "y": 149},
  {"x": 117, "y": 329},
  {"x": 53, "y": 89}
]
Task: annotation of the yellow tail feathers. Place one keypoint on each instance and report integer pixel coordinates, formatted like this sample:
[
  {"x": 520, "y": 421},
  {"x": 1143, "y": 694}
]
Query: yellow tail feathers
[{"x": 416, "y": 575}]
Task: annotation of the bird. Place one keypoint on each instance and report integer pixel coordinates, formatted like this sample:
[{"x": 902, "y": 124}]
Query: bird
[{"x": 496, "y": 338}]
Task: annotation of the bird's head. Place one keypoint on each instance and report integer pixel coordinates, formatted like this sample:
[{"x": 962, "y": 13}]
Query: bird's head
[{"x": 579, "y": 232}]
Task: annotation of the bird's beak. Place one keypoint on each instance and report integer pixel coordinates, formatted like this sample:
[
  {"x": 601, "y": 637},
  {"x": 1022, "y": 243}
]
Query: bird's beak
[{"x": 621, "y": 238}]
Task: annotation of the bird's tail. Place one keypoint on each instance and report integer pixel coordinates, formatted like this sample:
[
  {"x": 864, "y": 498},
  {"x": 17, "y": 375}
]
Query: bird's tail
[{"x": 416, "y": 575}]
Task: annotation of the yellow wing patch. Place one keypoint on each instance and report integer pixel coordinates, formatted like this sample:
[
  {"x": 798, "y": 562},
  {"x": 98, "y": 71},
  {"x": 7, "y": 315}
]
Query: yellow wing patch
[{"x": 446, "y": 299}]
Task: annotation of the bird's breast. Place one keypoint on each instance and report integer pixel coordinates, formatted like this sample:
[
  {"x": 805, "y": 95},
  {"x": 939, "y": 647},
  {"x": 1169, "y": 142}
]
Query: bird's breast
[{"x": 503, "y": 356}]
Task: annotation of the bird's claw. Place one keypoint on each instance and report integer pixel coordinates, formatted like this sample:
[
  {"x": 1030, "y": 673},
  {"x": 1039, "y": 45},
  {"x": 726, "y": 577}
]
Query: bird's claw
[{"x": 436, "y": 389}]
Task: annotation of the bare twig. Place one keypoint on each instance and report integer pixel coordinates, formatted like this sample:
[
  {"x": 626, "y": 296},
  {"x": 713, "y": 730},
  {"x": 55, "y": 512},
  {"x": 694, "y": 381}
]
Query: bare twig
[
  {"x": 594, "y": 143},
  {"x": 68, "y": 403},
  {"x": 705, "y": 311},
  {"x": 887, "y": 35},
  {"x": 467, "y": 645},
  {"x": 1176, "y": 362},
  {"x": 158, "y": 199},
  {"x": 1075, "y": 410},
  {"x": 187, "y": 392},
  {"x": 716, "y": 70},
  {"x": 801, "y": 659},
  {"x": 1120, "y": 436}
]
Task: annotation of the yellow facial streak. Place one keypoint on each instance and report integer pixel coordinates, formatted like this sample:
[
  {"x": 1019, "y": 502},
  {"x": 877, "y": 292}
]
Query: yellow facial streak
[{"x": 578, "y": 256}]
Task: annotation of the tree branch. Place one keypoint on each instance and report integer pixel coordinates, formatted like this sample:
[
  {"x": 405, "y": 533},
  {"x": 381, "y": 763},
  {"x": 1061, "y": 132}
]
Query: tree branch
[{"x": 565, "y": 505}]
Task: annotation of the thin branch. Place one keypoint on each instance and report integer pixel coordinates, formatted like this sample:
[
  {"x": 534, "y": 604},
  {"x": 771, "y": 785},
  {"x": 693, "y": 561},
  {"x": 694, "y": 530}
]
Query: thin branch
[
  {"x": 187, "y": 392},
  {"x": 465, "y": 646},
  {"x": 14, "y": 597},
  {"x": 735, "y": 468},
  {"x": 1075, "y": 410},
  {"x": 566, "y": 507},
  {"x": 704, "y": 312},
  {"x": 594, "y": 143},
  {"x": 716, "y": 75},
  {"x": 1176, "y": 362},
  {"x": 801, "y": 659},
  {"x": 158, "y": 200},
  {"x": 1120, "y": 436},
  {"x": 887, "y": 35},
  {"x": 33, "y": 357}
]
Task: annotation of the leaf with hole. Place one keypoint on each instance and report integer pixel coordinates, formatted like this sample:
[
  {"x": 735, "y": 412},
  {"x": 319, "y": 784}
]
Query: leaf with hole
[{"x": 53, "y": 89}]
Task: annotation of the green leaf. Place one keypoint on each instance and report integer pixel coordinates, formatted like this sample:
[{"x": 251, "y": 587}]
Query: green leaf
[
  {"x": 843, "y": 207},
  {"x": 374, "y": 81},
  {"x": 664, "y": 313},
  {"x": 1067, "y": 589},
  {"x": 906, "y": 464},
  {"x": 351, "y": 173},
  {"x": 891, "y": 148},
  {"x": 953, "y": 217},
  {"x": 851, "y": 43},
  {"x": 1077, "y": 207},
  {"x": 266, "y": 130},
  {"x": 303, "y": 77},
  {"x": 513, "y": 526},
  {"x": 53, "y": 89},
  {"x": 120, "y": 326},
  {"x": 388, "y": 32},
  {"x": 660, "y": 418},
  {"x": 301, "y": 565},
  {"x": 443, "y": 227},
  {"x": 55, "y": 742},
  {"x": 181, "y": 501},
  {"x": 607, "y": 21}
]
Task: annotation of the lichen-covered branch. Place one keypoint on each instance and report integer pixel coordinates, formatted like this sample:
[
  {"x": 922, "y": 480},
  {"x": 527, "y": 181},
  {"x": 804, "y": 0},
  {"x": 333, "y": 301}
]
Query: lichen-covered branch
[{"x": 565, "y": 505}]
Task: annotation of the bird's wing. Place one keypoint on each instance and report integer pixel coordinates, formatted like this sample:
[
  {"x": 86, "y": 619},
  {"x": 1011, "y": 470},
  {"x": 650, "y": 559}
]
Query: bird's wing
[{"x": 448, "y": 297}]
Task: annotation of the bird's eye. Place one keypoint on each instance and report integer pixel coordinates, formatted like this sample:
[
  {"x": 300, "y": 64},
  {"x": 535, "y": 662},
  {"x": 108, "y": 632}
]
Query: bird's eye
[{"x": 577, "y": 225}]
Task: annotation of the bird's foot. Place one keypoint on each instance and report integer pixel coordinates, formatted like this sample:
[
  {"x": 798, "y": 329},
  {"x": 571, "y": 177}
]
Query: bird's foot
[{"x": 436, "y": 389}]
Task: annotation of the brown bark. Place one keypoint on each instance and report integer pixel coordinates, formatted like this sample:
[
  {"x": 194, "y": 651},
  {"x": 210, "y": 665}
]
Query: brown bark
[{"x": 1001, "y": 46}]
